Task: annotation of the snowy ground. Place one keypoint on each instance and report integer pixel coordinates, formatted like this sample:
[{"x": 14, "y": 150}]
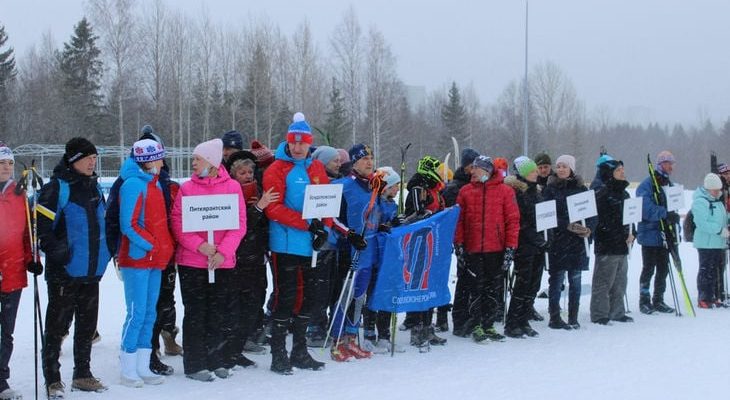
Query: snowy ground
[{"x": 656, "y": 357}]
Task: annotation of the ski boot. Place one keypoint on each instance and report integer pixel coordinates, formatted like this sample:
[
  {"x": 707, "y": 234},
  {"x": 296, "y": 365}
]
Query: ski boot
[{"x": 662, "y": 307}]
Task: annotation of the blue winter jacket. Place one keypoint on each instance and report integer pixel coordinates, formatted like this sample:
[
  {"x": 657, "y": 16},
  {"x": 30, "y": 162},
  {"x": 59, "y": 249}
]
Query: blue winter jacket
[
  {"x": 648, "y": 231},
  {"x": 709, "y": 218},
  {"x": 355, "y": 200}
]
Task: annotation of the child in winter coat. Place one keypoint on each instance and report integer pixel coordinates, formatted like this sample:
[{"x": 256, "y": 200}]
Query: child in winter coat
[
  {"x": 206, "y": 325},
  {"x": 710, "y": 238},
  {"x": 613, "y": 239},
  {"x": 567, "y": 248},
  {"x": 15, "y": 258},
  {"x": 487, "y": 233},
  {"x": 529, "y": 257},
  {"x": 145, "y": 249}
]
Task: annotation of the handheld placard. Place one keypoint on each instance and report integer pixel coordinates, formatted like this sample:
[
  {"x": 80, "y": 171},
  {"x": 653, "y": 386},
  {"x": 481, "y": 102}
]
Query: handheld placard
[
  {"x": 546, "y": 217},
  {"x": 210, "y": 213},
  {"x": 580, "y": 207},
  {"x": 321, "y": 201}
]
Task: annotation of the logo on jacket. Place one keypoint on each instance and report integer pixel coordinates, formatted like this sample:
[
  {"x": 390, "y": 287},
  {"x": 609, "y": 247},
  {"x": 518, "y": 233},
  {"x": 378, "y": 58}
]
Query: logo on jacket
[{"x": 417, "y": 250}]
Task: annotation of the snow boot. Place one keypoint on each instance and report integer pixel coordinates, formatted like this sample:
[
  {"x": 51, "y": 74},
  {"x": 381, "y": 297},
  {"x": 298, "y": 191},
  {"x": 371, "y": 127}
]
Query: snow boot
[
  {"x": 245, "y": 362},
  {"x": 556, "y": 322},
  {"x": 88, "y": 384},
  {"x": 493, "y": 335},
  {"x": 143, "y": 368},
  {"x": 300, "y": 357},
  {"x": 222, "y": 372},
  {"x": 6, "y": 393},
  {"x": 602, "y": 321},
  {"x": 434, "y": 340},
  {"x": 158, "y": 367},
  {"x": 201, "y": 376},
  {"x": 514, "y": 331},
  {"x": 442, "y": 318},
  {"x": 527, "y": 329},
  {"x": 479, "y": 335},
  {"x": 171, "y": 346},
  {"x": 251, "y": 347},
  {"x": 645, "y": 305},
  {"x": 56, "y": 391},
  {"x": 279, "y": 359},
  {"x": 128, "y": 366},
  {"x": 662, "y": 307},
  {"x": 534, "y": 315},
  {"x": 573, "y": 316}
]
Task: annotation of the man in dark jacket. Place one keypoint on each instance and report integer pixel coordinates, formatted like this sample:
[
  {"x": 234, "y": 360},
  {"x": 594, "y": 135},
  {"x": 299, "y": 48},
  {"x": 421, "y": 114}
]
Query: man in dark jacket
[
  {"x": 529, "y": 257},
  {"x": 612, "y": 247},
  {"x": 654, "y": 254},
  {"x": 72, "y": 205},
  {"x": 544, "y": 168}
]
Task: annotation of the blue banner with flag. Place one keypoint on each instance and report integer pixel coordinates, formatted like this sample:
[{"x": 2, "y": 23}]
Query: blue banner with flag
[{"x": 415, "y": 265}]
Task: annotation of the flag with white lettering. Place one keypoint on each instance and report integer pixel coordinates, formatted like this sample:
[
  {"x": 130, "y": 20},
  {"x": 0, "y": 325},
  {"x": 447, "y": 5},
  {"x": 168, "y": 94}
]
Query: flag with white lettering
[{"x": 415, "y": 264}]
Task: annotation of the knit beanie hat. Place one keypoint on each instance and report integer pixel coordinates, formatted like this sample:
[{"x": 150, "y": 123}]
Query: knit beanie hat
[
  {"x": 147, "y": 150},
  {"x": 484, "y": 163},
  {"x": 722, "y": 168},
  {"x": 602, "y": 159},
  {"x": 359, "y": 151},
  {"x": 712, "y": 182},
  {"x": 390, "y": 177},
  {"x": 445, "y": 172},
  {"x": 543, "y": 159},
  {"x": 501, "y": 164},
  {"x": 524, "y": 166},
  {"x": 233, "y": 140},
  {"x": 325, "y": 154},
  {"x": 605, "y": 170},
  {"x": 78, "y": 148},
  {"x": 662, "y": 157},
  {"x": 344, "y": 155},
  {"x": 467, "y": 157},
  {"x": 299, "y": 130},
  {"x": 567, "y": 160},
  {"x": 264, "y": 156},
  {"x": 210, "y": 151},
  {"x": 6, "y": 153}
]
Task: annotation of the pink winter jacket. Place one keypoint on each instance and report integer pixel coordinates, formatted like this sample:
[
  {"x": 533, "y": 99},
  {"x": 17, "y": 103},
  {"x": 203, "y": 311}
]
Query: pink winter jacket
[{"x": 226, "y": 242}]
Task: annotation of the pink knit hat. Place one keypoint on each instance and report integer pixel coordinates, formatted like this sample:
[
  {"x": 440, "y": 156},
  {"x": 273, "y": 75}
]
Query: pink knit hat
[
  {"x": 344, "y": 155},
  {"x": 210, "y": 151},
  {"x": 568, "y": 160}
]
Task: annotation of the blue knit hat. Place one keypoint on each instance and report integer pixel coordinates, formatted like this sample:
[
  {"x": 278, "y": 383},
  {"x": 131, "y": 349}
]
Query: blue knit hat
[
  {"x": 325, "y": 154},
  {"x": 299, "y": 130},
  {"x": 359, "y": 151},
  {"x": 233, "y": 140},
  {"x": 467, "y": 157},
  {"x": 602, "y": 159}
]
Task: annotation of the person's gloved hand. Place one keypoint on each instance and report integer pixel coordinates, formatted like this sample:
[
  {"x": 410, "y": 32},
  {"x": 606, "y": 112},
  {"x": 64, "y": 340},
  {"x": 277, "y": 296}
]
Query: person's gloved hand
[
  {"x": 320, "y": 234},
  {"x": 356, "y": 240},
  {"x": 35, "y": 267},
  {"x": 385, "y": 228},
  {"x": 579, "y": 229},
  {"x": 672, "y": 218},
  {"x": 509, "y": 256},
  {"x": 398, "y": 220}
]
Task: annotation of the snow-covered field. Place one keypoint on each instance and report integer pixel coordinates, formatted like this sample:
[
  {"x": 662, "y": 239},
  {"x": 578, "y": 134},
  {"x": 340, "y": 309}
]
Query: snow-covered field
[{"x": 656, "y": 357}]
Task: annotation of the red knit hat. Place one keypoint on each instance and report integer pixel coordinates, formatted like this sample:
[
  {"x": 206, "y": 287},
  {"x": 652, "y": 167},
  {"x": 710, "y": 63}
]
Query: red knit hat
[{"x": 264, "y": 156}]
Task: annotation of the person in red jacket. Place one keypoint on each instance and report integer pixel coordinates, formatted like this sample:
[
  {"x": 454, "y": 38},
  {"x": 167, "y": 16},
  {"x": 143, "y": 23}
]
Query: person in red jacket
[
  {"x": 487, "y": 232},
  {"x": 15, "y": 257}
]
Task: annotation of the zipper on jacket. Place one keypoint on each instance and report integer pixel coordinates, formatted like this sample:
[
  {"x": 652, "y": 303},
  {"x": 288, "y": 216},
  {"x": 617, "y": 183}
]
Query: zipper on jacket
[{"x": 484, "y": 206}]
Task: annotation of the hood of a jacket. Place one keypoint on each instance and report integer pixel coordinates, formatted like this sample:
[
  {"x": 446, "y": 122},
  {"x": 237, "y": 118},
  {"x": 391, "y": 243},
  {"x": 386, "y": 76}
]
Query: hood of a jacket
[{"x": 130, "y": 169}]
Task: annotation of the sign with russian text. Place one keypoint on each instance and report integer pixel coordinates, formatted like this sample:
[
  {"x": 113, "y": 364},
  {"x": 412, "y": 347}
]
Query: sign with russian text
[
  {"x": 322, "y": 201},
  {"x": 675, "y": 197},
  {"x": 632, "y": 210},
  {"x": 216, "y": 212},
  {"x": 546, "y": 215},
  {"x": 582, "y": 206}
]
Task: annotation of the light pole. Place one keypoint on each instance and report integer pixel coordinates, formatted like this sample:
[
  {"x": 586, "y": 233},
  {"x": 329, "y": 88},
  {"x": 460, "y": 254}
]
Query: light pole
[{"x": 526, "y": 92}]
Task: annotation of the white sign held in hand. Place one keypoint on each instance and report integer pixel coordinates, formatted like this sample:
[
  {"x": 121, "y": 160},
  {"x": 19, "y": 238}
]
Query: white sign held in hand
[
  {"x": 632, "y": 210},
  {"x": 546, "y": 215},
  {"x": 216, "y": 212},
  {"x": 582, "y": 206},
  {"x": 675, "y": 197},
  {"x": 322, "y": 201}
]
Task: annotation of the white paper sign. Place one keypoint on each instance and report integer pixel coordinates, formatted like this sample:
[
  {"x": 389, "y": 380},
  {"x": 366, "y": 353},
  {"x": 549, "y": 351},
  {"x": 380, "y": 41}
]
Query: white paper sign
[
  {"x": 675, "y": 197},
  {"x": 582, "y": 206},
  {"x": 632, "y": 210},
  {"x": 546, "y": 215},
  {"x": 217, "y": 212},
  {"x": 322, "y": 201}
]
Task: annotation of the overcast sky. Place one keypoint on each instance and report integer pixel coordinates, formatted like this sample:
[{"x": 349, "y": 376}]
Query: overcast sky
[{"x": 643, "y": 60}]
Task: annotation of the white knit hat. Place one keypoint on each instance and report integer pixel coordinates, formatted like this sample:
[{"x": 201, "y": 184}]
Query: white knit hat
[
  {"x": 567, "y": 160},
  {"x": 6, "y": 153},
  {"x": 211, "y": 151},
  {"x": 391, "y": 177},
  {"x": 712, "y": 182}
]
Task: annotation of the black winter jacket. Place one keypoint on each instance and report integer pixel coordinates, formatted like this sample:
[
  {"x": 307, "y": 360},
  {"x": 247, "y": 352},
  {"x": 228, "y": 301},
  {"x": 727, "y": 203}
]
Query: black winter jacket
[
  {"x": 610, "y": 233},
  {"x": 461, "y": 178},
  {"x": 531, "y": 242}
]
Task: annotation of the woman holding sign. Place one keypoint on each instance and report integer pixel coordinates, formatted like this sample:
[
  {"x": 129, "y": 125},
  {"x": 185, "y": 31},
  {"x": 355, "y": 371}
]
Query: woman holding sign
[
  {"x": 567, "y": 249},
  {"x": 612, "y": 246},
  {"x": 207, "y": 327}
]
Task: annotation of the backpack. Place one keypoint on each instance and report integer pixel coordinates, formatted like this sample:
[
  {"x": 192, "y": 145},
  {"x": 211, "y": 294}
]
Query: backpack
[{"x": 688, "y": 227}]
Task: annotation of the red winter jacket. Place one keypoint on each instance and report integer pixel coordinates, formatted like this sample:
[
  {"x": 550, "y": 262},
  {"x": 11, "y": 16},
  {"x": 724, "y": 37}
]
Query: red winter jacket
[
  {"x": 489, "y": 220},
  {"x": 14, "y": 240}
]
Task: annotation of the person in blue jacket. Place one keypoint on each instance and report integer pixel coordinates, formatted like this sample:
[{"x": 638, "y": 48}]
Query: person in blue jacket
[
  {"x": 654, "y": 254},
  {"x": 710, "y": 238}
]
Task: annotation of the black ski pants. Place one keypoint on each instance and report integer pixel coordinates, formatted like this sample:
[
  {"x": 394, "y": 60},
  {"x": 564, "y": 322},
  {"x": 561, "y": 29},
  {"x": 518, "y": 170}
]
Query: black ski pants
[
  {"x": 488, "y": 291},
  {"x": 528, "y": 273},
  {"x": 8, "y": 312},
  {"x": 166, "y": 314},
  {"x": 654, "y": 259}
]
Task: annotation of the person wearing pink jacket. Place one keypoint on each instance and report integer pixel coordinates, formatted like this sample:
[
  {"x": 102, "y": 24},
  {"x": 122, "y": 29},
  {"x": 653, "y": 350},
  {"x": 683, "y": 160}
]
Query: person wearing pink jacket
[{"x": 207, "y": 325}]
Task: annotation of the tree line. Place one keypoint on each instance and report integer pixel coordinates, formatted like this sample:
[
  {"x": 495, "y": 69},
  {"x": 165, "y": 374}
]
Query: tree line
[{"x": 129, "y": 64}]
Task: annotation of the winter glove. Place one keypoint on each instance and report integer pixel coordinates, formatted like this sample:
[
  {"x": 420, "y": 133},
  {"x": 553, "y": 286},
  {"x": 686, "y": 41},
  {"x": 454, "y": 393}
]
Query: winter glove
[
  {"x": 725, "y": 233},
  {"x": 398, "y": 220},
  {"x": 385, "y": 228},
  {"x": 579, "y": 230},
  {"x": 35, "y": 267},
  {"x": 509, "y": 256},
  {"x": 357, "y": 241},
  {"x": 320, "y": 235},
  {"x": 672, "y": 218}
]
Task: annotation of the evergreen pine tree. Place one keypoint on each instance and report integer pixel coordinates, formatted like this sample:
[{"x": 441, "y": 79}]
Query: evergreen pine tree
[
  {"x": 81, "y": 74},
  {"x": 453, "y": 116},
  {"x": 336, "y": 125},
  {"x": 7, "y": 74}
]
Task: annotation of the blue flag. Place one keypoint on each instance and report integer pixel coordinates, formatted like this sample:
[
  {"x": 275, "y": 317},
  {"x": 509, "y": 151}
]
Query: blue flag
[{"x": 415, "y": 264}]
